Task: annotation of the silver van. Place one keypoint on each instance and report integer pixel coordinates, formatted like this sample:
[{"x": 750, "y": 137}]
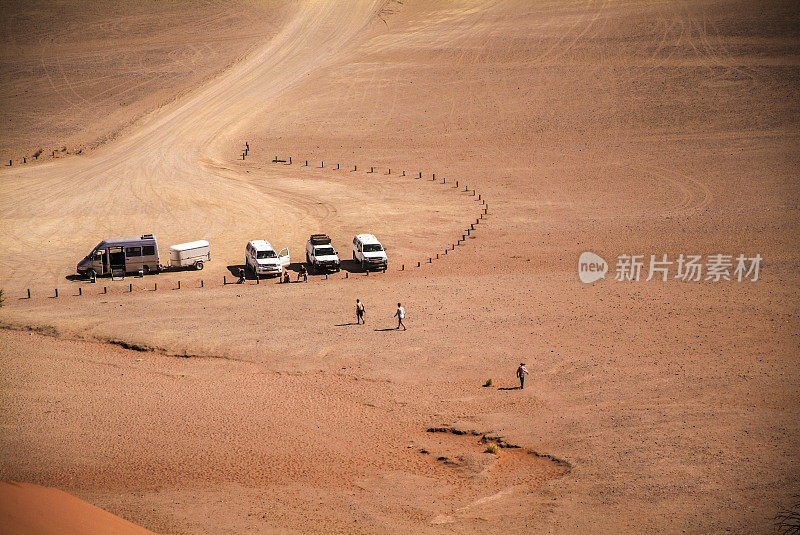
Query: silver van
[{"x": 129, "y": 255}]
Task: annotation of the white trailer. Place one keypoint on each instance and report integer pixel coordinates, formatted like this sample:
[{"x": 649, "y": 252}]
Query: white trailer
[{"x": 193, "y": 253}]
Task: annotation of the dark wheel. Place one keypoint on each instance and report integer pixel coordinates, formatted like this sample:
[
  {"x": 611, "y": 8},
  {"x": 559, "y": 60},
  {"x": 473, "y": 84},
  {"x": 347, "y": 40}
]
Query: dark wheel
[
  {"x": 91, "y": 274},
  {"x": 198, "y": 265},
  {"x": 146, "y": 269},
  {"x": 363, "y": 265}
]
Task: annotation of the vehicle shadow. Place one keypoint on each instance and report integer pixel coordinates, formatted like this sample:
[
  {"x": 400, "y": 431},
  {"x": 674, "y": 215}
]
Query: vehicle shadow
[
  {"x": 351, "y": 266},
  {"x": 75, "y": 277},
  {"x": 389, "y": 329},
  {"x": 234, "y": 270},
  {"x": 509, "y": 388}
]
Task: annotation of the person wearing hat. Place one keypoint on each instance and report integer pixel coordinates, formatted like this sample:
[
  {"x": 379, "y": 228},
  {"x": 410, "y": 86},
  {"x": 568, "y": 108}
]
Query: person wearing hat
[{"x": 521, "y": 372}]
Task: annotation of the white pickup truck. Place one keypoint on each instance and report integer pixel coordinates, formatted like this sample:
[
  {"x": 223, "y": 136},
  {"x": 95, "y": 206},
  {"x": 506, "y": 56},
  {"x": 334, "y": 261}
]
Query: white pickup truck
[{"x": 320, "y": 255}]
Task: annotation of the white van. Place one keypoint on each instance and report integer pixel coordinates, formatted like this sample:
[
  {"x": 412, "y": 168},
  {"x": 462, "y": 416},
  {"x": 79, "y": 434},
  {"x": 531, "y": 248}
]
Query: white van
[
  {"x": 126, "y": 255},
  {"x": 369, "y": 252},
  {"x": 261, "y": 258}
]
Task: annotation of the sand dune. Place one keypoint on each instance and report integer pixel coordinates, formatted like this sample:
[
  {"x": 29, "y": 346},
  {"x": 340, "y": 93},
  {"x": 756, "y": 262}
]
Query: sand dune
[
  {"x": 618, "y": 128},
  {"x": 26, "y": 508}
]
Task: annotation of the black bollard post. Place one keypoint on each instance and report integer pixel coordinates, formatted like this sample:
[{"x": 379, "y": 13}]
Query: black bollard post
[
  {"x": 322, "y": 164},
  {"x": 155, "y": 286},
  {"x": 371, "y": 170},
  {"x": 224, "y": 280},
  {"x": 355, "y": 168},
  {"x": 404, "y": 173},
  {"x": 434, "y": 177},
  {"x": 418, "y": 264},
  {"x": 390, "y": 170},
  {"x": 258, "y": 281},
  {"x": 306, "y": 163},
  {"x": 80, "y": 291},
  {"x": 105, "y": 289},
  {"x": 456, "y": 183},
  {"x": 346, "y": 274},
  {"x": 290, "y": 160},
  {"x": 179, "y": 285},
  {"x": 56, "y": 292},
  {"x": 337, "y": 166},
  {"x": 420, "y": 175},
  {"x": 201, "y": 283},
  {"x": 24, "y": 160},
  {"x": 29, "y": 293},
  {"x": 243, "y": 155},
  {"x": 130, "y": 288}
]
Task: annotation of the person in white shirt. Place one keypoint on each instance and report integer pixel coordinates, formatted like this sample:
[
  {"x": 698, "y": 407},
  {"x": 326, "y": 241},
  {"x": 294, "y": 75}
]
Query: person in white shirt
[
  {"x": 400, "y": 314},
  {"x": 522, "y": 371}
]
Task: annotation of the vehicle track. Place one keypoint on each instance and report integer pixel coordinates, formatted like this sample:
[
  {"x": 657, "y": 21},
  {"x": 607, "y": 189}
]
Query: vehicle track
[{"x": 164, "y": 167}]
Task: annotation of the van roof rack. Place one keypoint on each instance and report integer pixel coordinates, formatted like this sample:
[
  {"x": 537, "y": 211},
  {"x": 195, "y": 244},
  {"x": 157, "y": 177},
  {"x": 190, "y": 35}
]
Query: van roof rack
[
  {"x": 147, "y": 237},
  {"x": 320, "y": 239}
]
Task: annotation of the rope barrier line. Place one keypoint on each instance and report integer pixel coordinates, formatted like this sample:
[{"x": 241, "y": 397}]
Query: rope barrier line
[{"x": 288, "y": 161}]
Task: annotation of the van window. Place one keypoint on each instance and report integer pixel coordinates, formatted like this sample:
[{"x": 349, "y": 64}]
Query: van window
[
  {"x": 133, "y": 251},
  {"x": 265, "y": 254},
  {"x": 373, "y": 248},
  {"x": 149, "y": 250}
]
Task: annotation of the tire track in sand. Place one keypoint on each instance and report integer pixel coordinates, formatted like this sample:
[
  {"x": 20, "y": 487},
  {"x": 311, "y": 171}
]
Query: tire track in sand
[{"x": 163, "y": 173}]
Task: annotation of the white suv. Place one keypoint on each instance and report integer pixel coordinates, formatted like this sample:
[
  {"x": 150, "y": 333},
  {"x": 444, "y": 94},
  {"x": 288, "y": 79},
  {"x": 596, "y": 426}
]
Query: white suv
[
  {"x": 261, "y": 258},
  {"x": 320, "y": 254},
  {"x": 369, "y": 252}
]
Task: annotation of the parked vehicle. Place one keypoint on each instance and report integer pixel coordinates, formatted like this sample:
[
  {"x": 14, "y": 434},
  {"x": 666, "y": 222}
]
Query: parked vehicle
[
  {"x": 193, "y": 253},
  {"x": 320, "y": 254},
  {"x": 369, "y": 252},
  {"x": 125, "y": 255},
  {"x": 261, "y": 258}
]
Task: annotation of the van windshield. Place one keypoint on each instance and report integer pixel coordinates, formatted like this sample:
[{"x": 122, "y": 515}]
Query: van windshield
[
  {"x": 372, "y": 247},
  {"x": 265, "y": 254},
  {"x": 324, "y": 251}
]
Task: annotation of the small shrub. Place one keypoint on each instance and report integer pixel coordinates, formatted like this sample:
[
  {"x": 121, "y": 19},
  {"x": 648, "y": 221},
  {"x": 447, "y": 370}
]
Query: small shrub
[
  {"x": 489, "y": 382},
  {"x": 492, "y": 447}
]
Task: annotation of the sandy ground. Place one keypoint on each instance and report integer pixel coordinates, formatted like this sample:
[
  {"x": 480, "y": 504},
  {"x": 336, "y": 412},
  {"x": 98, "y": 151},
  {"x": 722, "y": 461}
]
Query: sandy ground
[
  {"x": 35, "y": 510},
  {"x": 618, "y": 128}
]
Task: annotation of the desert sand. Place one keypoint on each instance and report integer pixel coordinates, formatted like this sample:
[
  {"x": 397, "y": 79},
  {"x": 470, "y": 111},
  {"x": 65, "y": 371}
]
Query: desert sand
[{"x": 613, "y": 127}]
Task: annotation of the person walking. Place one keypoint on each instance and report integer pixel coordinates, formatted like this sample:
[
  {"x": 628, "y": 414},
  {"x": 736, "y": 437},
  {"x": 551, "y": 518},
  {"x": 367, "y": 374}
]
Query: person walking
[
  {"x": 359, "y": 312},
  {"x": 522, "y": 371},
  {"x": 400, "y": 314},
  {"x": 302, "y": 272}
]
